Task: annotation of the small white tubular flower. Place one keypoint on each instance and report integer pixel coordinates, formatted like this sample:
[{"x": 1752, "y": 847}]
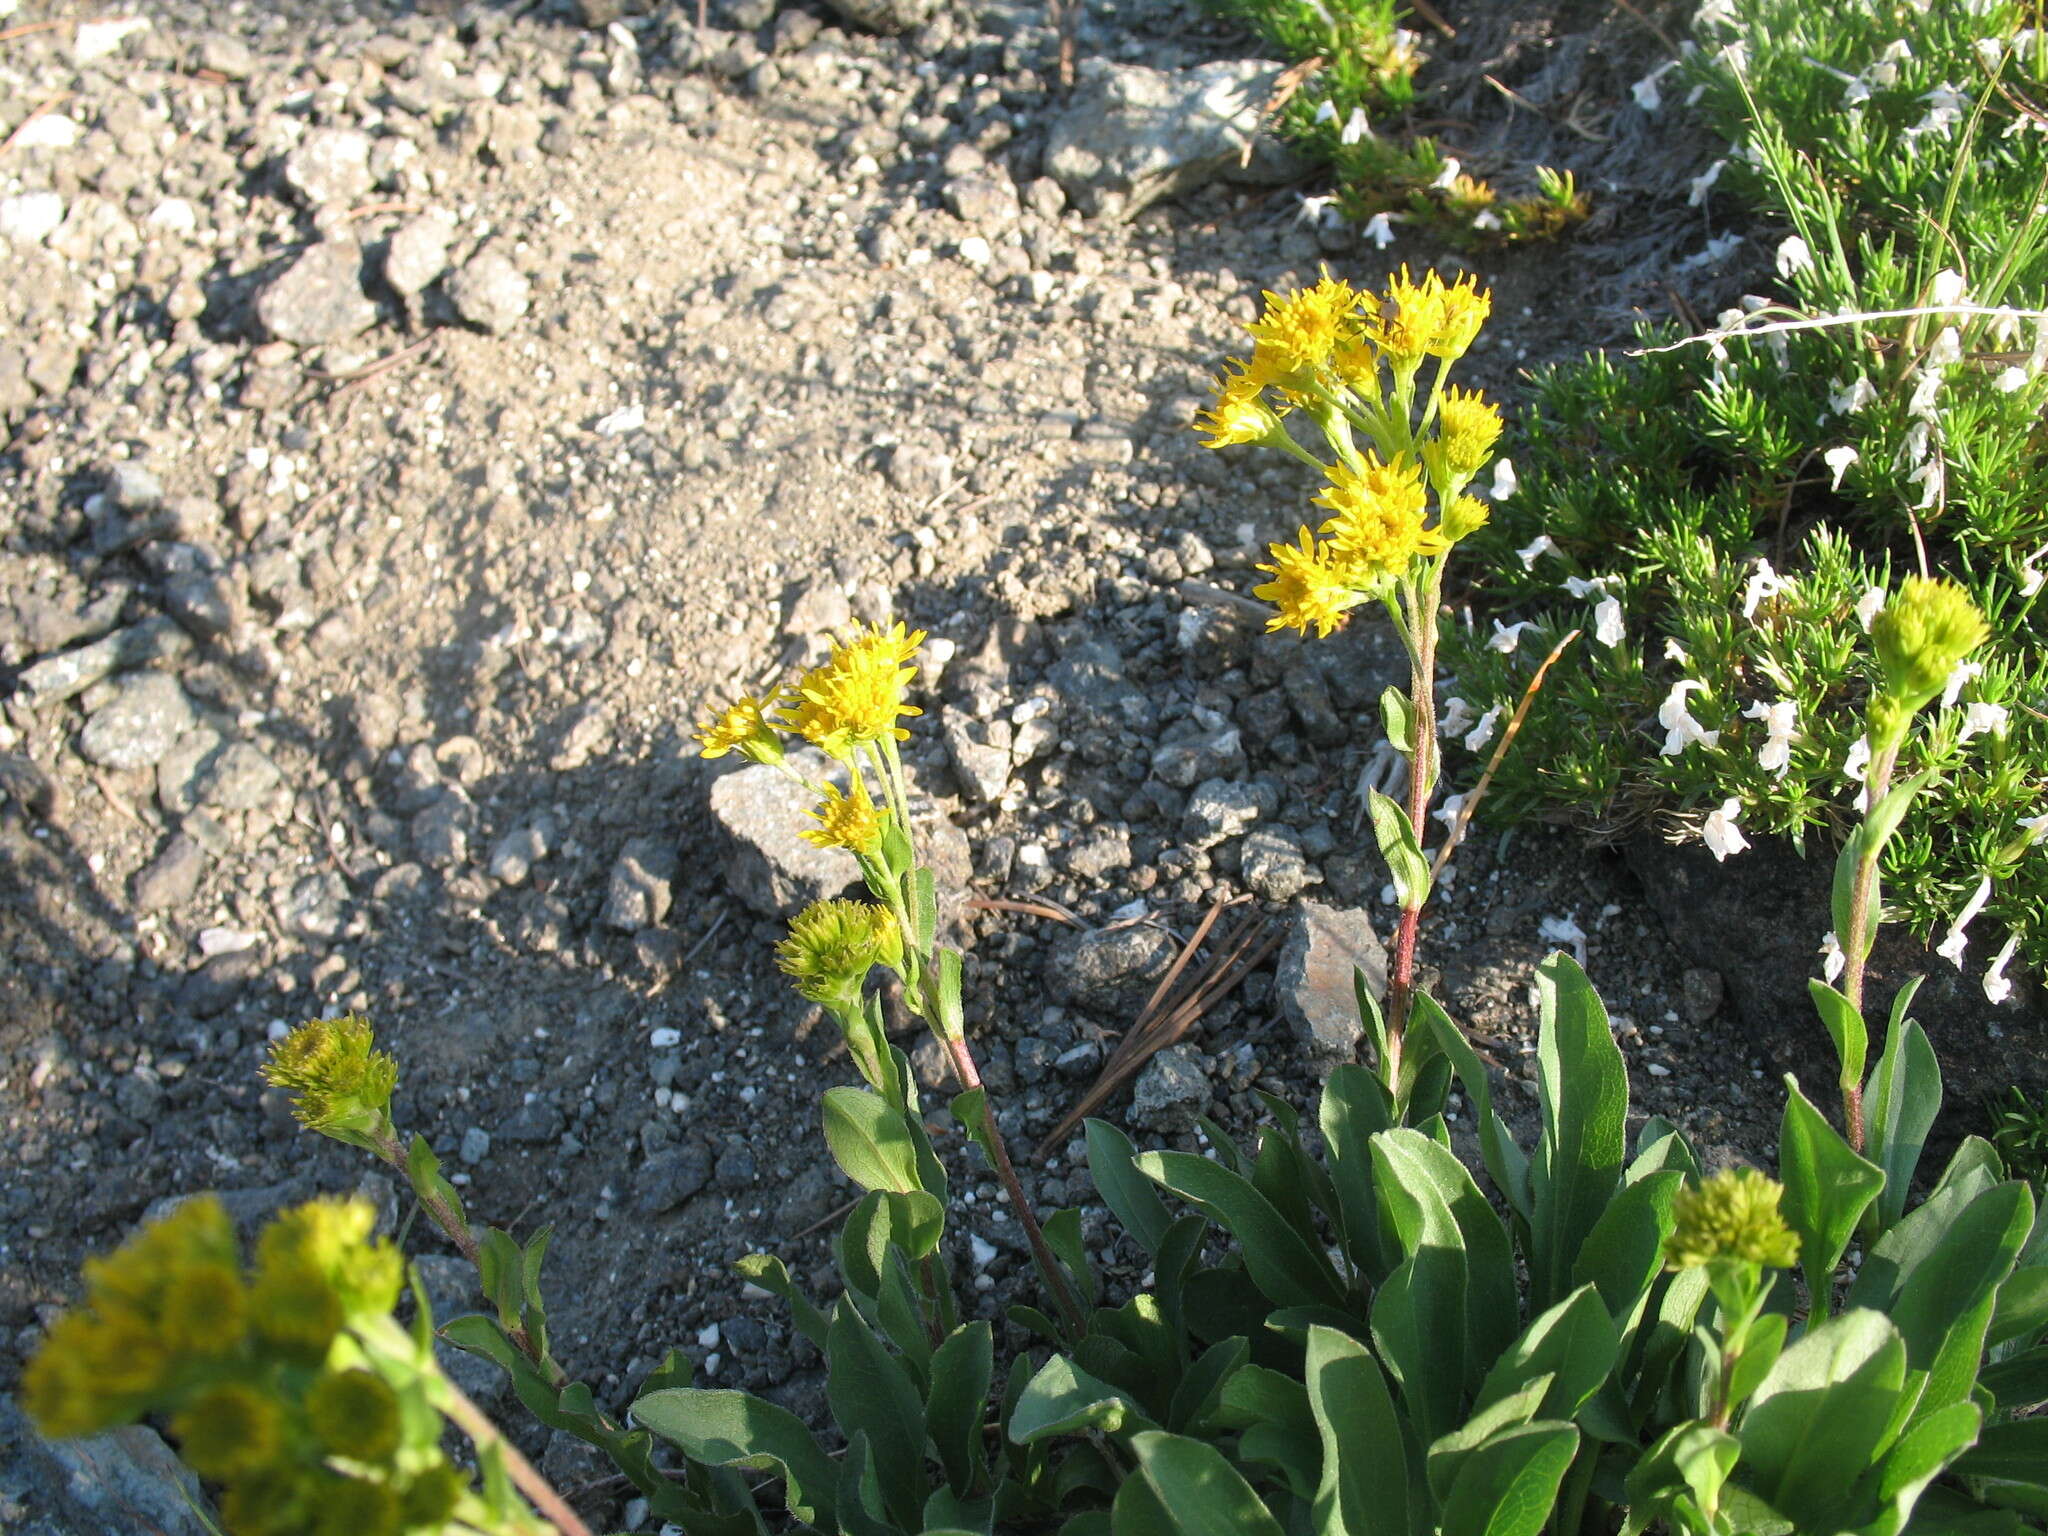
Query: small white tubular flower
[
  {"x": 1720, "y": 833},
  {"x": 1702, "y": 184},
  {"x": 1542, "y": 544},
  {"x": 1645, "y": 90},
  {"x": 1379, "y": 230},
  {"x": 1989, "y": 51},
  {"x": 1983, "y": 719},
  {"x": 1856, "y": 765},
  {"x": 1947, "y": 288},
  {"x": 2010, "y": 380},
  {"x": 1680, "y": 729},
  {"x": 1607, "y": 627},
  {"x": 1832, "y": 961},
  {"x": 1674, "y": 652},
  {"x": 1482, "y": 733},
  {"x": 1947, "y": 348},
  {"x": 1852, "y": 396},
  {"x": 1838, "y": 461},
  {"x": 1869, "y": 606},
  {"x": 1447, "y": 813},
  {"x": 1507, "y": 636},
  {"x": 1964, "y": 674},
  {"x": 1763, "y": 582},
  {"x": 1327, "y": 112},
  {"x": 1587, "y": 586},
  {"x": 1926, "y": 392},
  {"x": 1780, "y": 719},
  {"x": 1355, "y": 127},
  {"x": 1794, "y": 257},
  {"x": 2034, "y": 827},
  {"x": 1449, "y": 174},
  {"x": 1313, "y": 210},
  {"x": 1504, "y": 481},
  {"x": 1951, "y": 947},
  {"x": 1456, "y": 718},
  {"x": 1996, "y": 987}
]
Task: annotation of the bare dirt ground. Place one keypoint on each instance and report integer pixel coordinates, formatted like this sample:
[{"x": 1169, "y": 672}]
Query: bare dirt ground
[{"x": 421, "y": 581}]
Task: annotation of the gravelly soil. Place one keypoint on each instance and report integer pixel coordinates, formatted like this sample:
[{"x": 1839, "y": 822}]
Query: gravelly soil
[{"x": 446, "y": 591}]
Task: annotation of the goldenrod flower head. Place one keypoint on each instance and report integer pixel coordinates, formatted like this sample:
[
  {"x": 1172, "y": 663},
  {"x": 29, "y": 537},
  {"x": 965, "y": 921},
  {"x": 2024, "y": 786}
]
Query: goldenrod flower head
[
  {"x": 832, "y": 945},
  {"x": 741, "y": 726},
  {"x": 1922, "y": 635},
  {"x": 352, "y": 1506},
  {"x": 204, "y": 1310},
  {"x": 354, "y": 1414},
  {"x": 1308, "y": 589},
  {"x": 1378, "y": 528},
  {"x": 228, "y": 1429},
  {"x": 430, "y": 1498},
  {"x": 133, "y": 1278},
  {"x": 1468, "y": 425},
  {"x": 1465, "y": 515},
  {"x": 1241, "y": 414},
  {"x": 1427, "y": 319},
  {"x": 1300, "y": 332},
  {"x": 340, "y": 1084},
  {"x": 61, "y": 1387},
  {"x": 316, "y": 1265},
  {"x": 1733, "y": 1215},
  {"x": 278, "y": 1500},
  {"x": 854, "y": 696},
  {"x": 847, "y": 821}
]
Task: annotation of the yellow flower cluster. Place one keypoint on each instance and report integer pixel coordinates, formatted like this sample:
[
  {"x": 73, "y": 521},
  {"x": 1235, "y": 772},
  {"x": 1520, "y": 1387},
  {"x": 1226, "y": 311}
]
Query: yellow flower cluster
[
  {"x": 1732, "y": 1216},
  {"x": 832, "y": 945},
  {"x": 1321, "y": 350},
  {"x": 260, "y": 1386},
  {"x": 850, "y": 700},
  {"x": 1921, "y": 636},
  {"x": 338, "y": 1081},
  {"x": 846, "y": 821}
]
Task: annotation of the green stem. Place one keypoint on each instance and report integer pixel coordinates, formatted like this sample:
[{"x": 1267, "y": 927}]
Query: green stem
[
  {"x": 1861, "y": 938},
  {"x": 1421, "y": 781}
]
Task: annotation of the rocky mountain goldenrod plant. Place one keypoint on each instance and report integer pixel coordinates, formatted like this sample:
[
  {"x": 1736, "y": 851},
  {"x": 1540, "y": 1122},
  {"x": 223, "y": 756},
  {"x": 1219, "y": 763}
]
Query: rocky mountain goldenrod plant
[{"x": 1368, "y": 373}]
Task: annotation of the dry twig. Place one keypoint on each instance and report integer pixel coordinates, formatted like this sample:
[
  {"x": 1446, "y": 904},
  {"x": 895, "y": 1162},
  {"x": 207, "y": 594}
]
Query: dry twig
[{"x": 34, "y": 112}]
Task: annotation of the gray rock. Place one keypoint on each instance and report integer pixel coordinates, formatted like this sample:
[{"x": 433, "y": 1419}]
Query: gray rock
[
  {"x": 533, "y": 1123},
  {"x": 440, "y": 831},
  {"x": 122, "y": 1483},
  {"x": 330, "y": 165},
  {"x": 1308, "y": 691},
  {"x": 179, "y": 773},
  {"x": 886, "y": 16},
  {"x": 133, "y": 487},
  {"x": 1216, "y": 753},
  {"x": 1220, "y": 809},
  {"x": 771, "y": 868},
  {"x": 490, "y": 293},
  {"x": 980, "y": 750},
  {"x": 642, "y": 884},
  {"x": 137, "y": 726},
  {"x": 418, "y": 253},
  {"x": 1314, "y": 978},
  {"x": 1131, "y": 136},
  {"x": 1171, "y": 1091},
  {"x": 226, "y": 55},
  {"x": 172, "y": 878},
  {"x": 214, "y": 987},
  {"x": 1089, "y": 681},
  {"x": 314, "y": 908},
  {"x": 514, "y": 855},
  {"x": 1103, "y": 852},
  {"x": 240, "y": 778},
  {"x": 920, "y": 468},
  {"x": 1274, "y": 865},
  {"x": 670, "y": 1177},
  {"x": 139, "y": 645},
  {"x": 476, "y": 1145},
  {"x": 1111, "y": 971},
  {"x": 986, "y": 202},
  {"x": 453, "y": 1289},
  {"x": 319, "y": 298},
  {"x": 1701, "y": 993},
  {"x": 203, "y": 602}
]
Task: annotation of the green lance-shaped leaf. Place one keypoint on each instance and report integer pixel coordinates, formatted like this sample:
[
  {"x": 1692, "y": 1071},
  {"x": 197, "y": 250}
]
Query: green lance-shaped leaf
[
  {"x": 1868, "y": 839},
  {"x": 2016, "y": 1453},
  {"x": 870, "y": 1390},
  {"x": 1200, "y": 1492},
  {"x": 1287, "y": 1269},
  {"x": 1694, "y": 1458},
  {"x": 1845, "y": 1027},
  {"x": 1624, "y": 1253},
  {"x": 1583, "y": 1087},
  {"x": 1354, "y": 1108},
  {"x": 1506, "y": 1163},
  {"x": 1902, "y": 1101},
  {"x": 722, "y": 1428},
  {"x": 772, "y": 1275},
  {"x": 1821, "y": 1417},
  {"x": 1063, "y": 1399},
  {"x": 1508, "y": 1485},
  {"x": 1409, "y": 1162},
  {"x": 870, "y": 1141},
  {"x": 961, "y": 1370},
  {"x": 1364, "y": 1486},
  {"x": 1398, "y": 846},
  {"x": 1828, "y": 1187},
  {"x": 1574, "y": 1343},
  {"x": 1200, "y": 1391},
  {"x": 1397, "y": 717},
  {"x": 1129, "y": 1194},
  {"x": 1961, "y": 1277}
]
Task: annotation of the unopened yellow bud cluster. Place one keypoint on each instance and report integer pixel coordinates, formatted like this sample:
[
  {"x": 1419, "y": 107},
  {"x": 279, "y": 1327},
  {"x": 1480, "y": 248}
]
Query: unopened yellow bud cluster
[
  {"x": 1732, "y": 1216},
  {"x": 260, "y": 1382},
  {"x": 1921, "y": 636},
  {"x": 1348, "y": 360},
  {"x": 340, "y": 1084}
]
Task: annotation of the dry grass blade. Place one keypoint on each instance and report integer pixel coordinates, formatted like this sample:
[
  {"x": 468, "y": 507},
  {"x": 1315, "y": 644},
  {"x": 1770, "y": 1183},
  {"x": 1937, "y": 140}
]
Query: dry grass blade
[
  {"x": 38, "y": 110},
  {"x": 1184, "y": 994},
  {"x": 1283, "y": 92},
  {"x": 1048, "y": 908},
  {"x": 1500, "y": 752}
]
